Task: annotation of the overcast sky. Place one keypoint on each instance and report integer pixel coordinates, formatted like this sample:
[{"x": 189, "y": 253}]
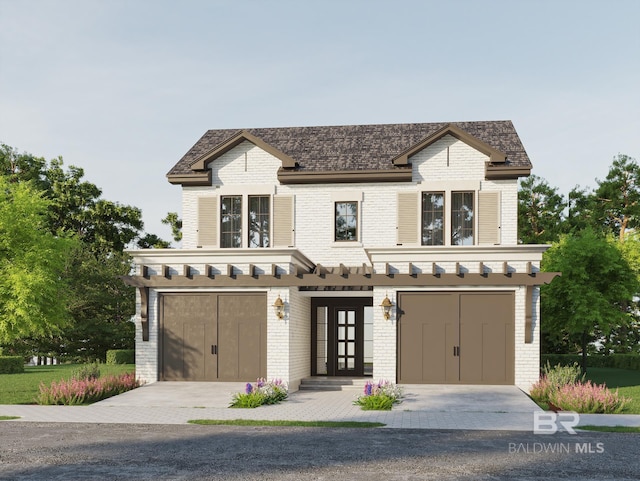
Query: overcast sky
[{"x": 124, "y": 88}]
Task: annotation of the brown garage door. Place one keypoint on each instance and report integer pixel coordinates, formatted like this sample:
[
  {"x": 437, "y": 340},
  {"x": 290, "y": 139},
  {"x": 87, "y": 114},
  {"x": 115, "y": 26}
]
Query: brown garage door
[
  {"x": 213, "y": 337},
  {"x": 456, "y": 337}
]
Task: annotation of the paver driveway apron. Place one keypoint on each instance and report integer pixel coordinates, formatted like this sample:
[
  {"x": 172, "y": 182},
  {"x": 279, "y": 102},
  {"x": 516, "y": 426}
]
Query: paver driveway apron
[{"x": 424, "y": 407}]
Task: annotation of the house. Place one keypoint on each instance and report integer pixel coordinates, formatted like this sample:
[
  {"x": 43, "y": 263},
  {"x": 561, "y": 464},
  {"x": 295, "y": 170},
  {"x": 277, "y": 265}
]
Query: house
[{"x": 388, "y": 251}]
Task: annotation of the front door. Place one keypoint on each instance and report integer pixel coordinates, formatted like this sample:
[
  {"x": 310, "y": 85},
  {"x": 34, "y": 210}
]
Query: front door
[{"x": 339, "y": 344}]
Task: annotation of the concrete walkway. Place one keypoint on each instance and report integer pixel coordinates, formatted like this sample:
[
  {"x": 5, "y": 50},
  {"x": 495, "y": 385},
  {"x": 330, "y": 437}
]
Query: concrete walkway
[{"x": 423, "y": 407}]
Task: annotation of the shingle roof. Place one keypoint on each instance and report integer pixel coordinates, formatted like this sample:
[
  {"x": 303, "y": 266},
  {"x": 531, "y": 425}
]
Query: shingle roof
[{"x": 358, "y": 147}]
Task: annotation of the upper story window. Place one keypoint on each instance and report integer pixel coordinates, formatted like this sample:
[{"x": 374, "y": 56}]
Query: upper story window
[
  {"x": 448, "y": 218},
  {"x": 432, "y": 218},
  {"x": 259, "y": 220},
  {"x": 462, "y": 221},
  {"x": 245, "y": 217},
  {"x": 346, "y": 226},
  {"x": 231, "y": 221}
]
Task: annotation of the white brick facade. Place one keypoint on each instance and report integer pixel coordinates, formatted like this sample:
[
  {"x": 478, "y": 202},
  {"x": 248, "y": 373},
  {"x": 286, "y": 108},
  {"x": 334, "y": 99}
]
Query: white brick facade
[{"x": 447, "y": 165}]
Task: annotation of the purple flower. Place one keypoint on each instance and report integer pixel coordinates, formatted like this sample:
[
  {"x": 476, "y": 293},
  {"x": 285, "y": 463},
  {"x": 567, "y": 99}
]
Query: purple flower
[
  {"x": 367, "y": 389},
  {"x": 248, "y": 388}
]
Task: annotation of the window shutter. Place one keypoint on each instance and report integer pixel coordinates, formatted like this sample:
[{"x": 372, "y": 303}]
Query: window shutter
[
  {"x": 488, "y": 218},
  {"x": 207, "y": 221},
  {"x": 407, "y": 218},
  {"x": 283, "y": 228}
]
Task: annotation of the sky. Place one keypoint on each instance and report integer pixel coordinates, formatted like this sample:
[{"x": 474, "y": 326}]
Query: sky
[{"x": 124, "y": 88}]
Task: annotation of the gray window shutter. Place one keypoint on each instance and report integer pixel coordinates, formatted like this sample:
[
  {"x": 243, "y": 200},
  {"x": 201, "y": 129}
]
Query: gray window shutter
[
  {"x": 408, "y": 218},
  {"x": 283, "y": 220},
  {"x": 207, "y": 221},
  {"x": 488, "y": 218}
]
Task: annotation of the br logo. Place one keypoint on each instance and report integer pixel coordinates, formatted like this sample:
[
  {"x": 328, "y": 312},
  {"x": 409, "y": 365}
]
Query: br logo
[{"x": 549, "y": 422}]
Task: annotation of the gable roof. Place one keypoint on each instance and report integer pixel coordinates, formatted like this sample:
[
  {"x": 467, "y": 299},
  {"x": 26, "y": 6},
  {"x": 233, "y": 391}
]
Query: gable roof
[{"x": 355, "y": 153}]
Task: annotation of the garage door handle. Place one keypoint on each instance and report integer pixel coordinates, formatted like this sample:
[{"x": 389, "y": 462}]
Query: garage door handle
[
  {"x": 214, "y": 349},
  {"x": 456, "y": 351}
]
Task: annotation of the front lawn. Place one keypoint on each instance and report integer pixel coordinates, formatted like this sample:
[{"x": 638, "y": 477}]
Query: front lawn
[
  {"x": 627, "y": 382},
  {"x": 23, "y": 388}
]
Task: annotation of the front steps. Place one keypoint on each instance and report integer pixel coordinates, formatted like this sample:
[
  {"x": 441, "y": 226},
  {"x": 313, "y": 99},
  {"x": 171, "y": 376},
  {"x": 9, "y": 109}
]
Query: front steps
[{"x": 327, "y": 383}]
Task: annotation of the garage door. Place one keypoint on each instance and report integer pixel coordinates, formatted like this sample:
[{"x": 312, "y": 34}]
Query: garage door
[
  {"x": 456, "y": 337},
  {"x": 213, "y": 337}
]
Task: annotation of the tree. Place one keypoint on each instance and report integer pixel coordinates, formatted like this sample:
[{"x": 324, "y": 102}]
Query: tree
[
  {"x": 100, "y": 304},
  {"x": 618, "y": 197},
  {"x": 32, "y": 261},
  {"x": 152, "y": 241},
  {"x": 175, "y": 223},
  {"x": 77, "y": 207},
  {"x": 593, "y": 295},
  {"x": 540, "y": 211},
  {"x": 89, "y": 280}
]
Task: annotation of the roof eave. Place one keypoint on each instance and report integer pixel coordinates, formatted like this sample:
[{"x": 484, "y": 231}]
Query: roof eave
[
  {"x": 194, "y": 179},
  {"x": 346, "y": 176},
  {"x": 502, "y": 172}
]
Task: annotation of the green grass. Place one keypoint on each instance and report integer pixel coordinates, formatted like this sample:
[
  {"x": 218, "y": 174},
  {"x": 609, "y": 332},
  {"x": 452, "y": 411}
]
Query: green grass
[
  {"x": 627, "y": 382},
  {"x": 312, "y": 424},
  {"x": 8, "y": 418},
  {"x": 611, "y": 429},
  {"x": 23, "y": 388}
]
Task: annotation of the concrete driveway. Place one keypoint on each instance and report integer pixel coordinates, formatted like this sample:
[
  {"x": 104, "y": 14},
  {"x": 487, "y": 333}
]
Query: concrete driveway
[
  {"x": 417, "y": 397},
  {"x": 423, "y": 407}
]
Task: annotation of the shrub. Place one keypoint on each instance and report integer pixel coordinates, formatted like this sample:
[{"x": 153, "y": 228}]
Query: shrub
[
  {"x": 262, "y": 392},
  {"x": 380, "y": 396},
  {"x": 86, "y": 372},
  {"x": 618, "y": 361},
  {"x": 121, "y": 356},
  {"x": 77, "y": 391},
  {"x": 11, "y": 364},
  {"x": 553, "y": 378},
  {"x": 586, "y": 397}
]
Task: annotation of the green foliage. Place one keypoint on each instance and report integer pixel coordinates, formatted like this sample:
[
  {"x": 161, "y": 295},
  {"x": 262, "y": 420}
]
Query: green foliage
[
  {"x": 560, "y": 375},
  {"x": 175, "y": 223},
  {"x": 121, "y": 356},
  {"x": 627, "y": 382},
  {"x": 23, "y": 388},
  {"x": 586, "y": 397},
  {"x": 307, "y": 424},
  {"x": 32, "y": 260},
  {"x": 540, "y": 211},
  {"x": 11, "y": 364},
  {"x": 262, "y": 392},
  {"x": 553, "y": 378},
  {"x": 618, "y": 361},
  {"x": 379, "y": 396},
  {"x": 86, "y": 372},
  {"x": 618, "y": 196},
  {"x": 595, "y": 290},
  {"x": 85, "y": 391}
]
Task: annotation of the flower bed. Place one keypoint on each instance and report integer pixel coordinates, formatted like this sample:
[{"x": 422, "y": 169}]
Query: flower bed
[
  {"x": 563, "y": 388},
  {"x": 380, "y": 396},
  {"x": 85, "y": 391},
  {"x": 262, "y": 392}
]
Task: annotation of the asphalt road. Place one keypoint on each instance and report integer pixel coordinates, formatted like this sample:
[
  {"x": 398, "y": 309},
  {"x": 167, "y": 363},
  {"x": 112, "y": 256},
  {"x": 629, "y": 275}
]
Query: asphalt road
[{"x": 50, "y": 452}]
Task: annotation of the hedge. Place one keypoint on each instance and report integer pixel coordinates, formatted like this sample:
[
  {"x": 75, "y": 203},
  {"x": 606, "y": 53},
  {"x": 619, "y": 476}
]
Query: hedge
[
  {"x": 618, "y": 361},
  {"x": 11, "y": 364},
  {"x": 121, "y": 356}
]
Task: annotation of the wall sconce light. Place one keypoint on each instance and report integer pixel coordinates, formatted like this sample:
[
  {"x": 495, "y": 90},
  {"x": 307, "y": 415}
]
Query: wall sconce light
[
  {"x": 386, "y": 308},
  {"x": 278, "y": 307}
]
